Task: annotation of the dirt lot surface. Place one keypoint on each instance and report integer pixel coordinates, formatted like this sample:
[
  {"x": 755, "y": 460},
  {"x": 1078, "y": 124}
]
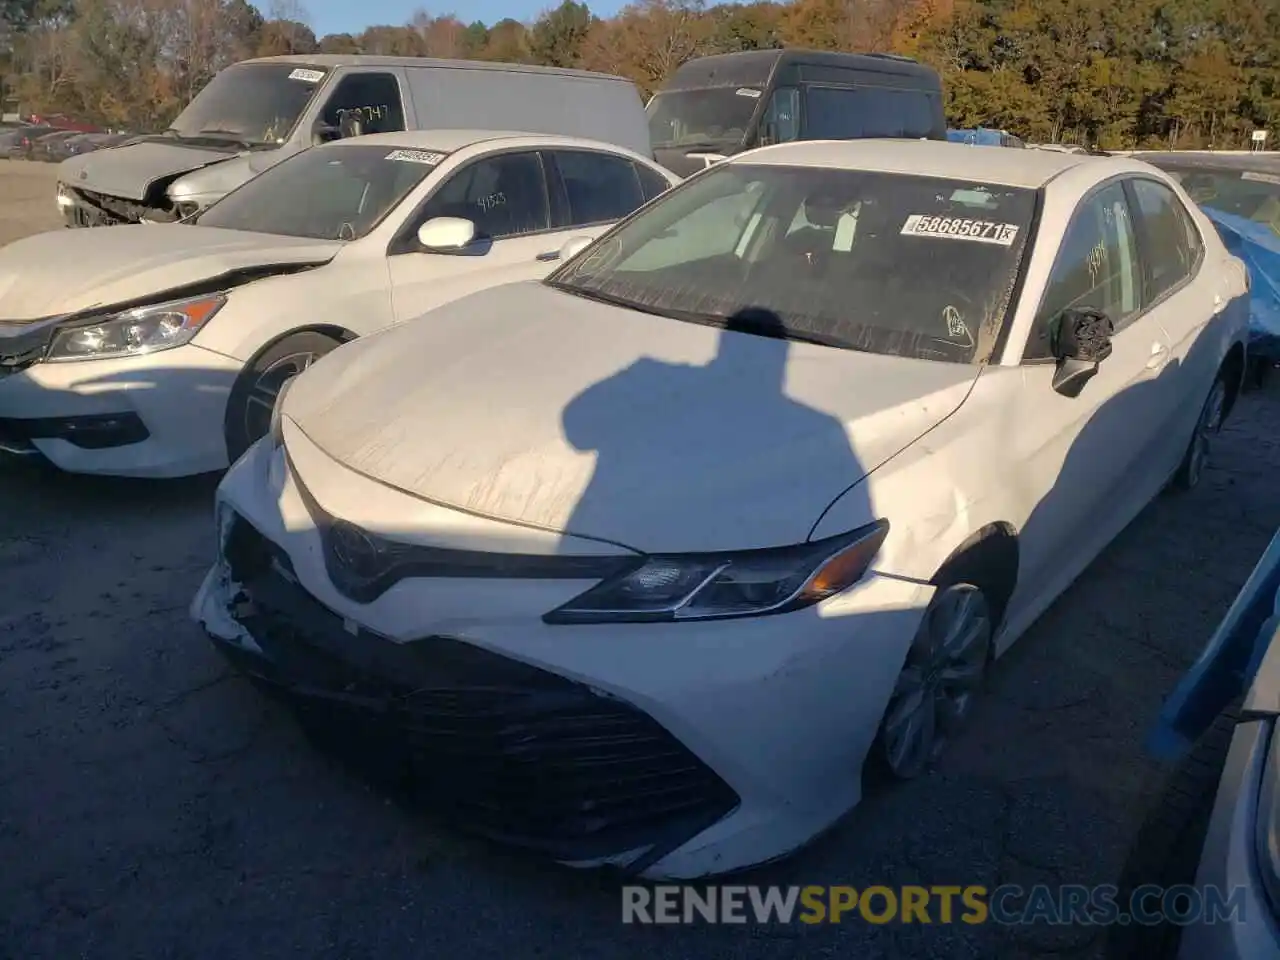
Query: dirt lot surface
[
  {"x": 26, "y": 199},
  {"x": 154, "y": 806}
]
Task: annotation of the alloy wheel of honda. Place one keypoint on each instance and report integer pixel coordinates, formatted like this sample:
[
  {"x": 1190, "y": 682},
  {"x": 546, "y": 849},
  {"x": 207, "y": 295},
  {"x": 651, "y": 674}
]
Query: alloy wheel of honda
[
  {"x": 935, "y": 691},
  {"x": 266, "y": 388}
]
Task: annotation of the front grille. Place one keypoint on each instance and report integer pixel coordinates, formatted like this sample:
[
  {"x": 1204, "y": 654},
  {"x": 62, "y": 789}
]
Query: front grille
[
  {"x": 505, "y": 749},
  {"x": 362, "y": 566}
]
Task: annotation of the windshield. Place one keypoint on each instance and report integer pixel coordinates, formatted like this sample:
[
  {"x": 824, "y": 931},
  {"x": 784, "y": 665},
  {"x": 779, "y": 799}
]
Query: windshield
[
  {"x": 338, "y": 192},
  {"x": 886, "y": 263},
  {"x": 250, "y": 103},
  {"x": 1252, "y": 194},
  {"x": 717, "y": 117}
]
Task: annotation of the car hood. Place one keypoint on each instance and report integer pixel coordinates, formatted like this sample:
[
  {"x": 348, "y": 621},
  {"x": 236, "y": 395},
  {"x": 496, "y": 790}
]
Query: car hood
[
  {"x": 130, "y": 169},
  {"x": 526, "y": 404},
  {"x": 71, "y": 271}
]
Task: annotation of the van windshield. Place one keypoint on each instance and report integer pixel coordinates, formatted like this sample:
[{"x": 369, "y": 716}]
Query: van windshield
[
  {"x": 252, "y": 104},
  {"x": 716, "y": 117}
]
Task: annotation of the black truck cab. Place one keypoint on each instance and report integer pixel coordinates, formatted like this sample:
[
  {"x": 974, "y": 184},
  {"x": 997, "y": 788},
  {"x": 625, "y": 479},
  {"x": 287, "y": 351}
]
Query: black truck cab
[{"x": 714, "y": 107}]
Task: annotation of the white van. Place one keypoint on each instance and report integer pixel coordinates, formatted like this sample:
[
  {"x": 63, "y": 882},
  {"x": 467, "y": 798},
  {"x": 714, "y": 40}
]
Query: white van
[{"x": 256, "y": 113}]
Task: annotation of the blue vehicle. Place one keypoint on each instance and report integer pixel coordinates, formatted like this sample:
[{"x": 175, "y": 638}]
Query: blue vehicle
[
  {"x": 1241, "y": 195},
  {"x": 1217, "y": 820},
  {"x": 984, "y": 137}
]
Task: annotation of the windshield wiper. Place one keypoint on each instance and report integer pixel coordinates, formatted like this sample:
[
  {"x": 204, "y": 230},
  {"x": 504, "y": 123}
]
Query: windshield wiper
[{"x": 230, "y": 136}]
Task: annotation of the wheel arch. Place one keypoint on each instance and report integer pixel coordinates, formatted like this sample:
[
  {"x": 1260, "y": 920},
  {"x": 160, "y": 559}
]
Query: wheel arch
[{"x": 988, "y": 558}]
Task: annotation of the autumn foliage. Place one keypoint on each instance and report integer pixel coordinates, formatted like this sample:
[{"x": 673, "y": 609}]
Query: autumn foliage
[{"x": 1142, "y": 72}]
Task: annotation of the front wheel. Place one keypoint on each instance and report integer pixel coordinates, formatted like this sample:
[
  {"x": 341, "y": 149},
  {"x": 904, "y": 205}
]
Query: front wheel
[
  {"x": 253, "y": 396},
  {"x": 935, "y": 691}
]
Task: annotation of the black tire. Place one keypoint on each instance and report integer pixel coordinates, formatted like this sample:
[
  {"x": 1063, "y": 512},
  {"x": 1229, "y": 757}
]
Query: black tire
[
  {"x": 249, "y": 405},
  {"x": 1194, "y": 460},
  {"x": 1170, "y": 840}
]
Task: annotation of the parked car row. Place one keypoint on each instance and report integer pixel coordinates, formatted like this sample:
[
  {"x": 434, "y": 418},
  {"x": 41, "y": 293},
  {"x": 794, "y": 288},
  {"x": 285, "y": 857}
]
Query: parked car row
[
  {"x": 628, "y": 519},
  {"x": 53, "y": 145}
]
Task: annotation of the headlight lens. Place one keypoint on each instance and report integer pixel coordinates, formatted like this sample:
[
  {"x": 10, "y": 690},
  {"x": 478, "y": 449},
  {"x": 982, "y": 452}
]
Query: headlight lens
[
  {"x": 725, "y": 585},
  {"x": 135, "y": 332}
]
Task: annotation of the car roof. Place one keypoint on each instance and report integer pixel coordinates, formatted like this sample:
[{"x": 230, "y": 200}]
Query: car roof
[
  {"x": 329, "y": 61},
  {"x": 938, "y": 158},
  {"x": 451, "y": 141}
]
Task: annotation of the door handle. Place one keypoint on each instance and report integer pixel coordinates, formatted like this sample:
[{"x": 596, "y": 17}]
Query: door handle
[
  {"x": 1159, "y": 356},
  {"x": 548, "y": 256}
]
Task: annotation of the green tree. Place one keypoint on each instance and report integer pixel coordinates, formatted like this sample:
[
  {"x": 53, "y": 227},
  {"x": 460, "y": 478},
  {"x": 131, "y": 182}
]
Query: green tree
[{"x": 558, "y": 35}]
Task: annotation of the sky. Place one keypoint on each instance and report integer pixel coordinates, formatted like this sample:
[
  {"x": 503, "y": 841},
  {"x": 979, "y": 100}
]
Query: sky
[{"x": 342, "y": 16}]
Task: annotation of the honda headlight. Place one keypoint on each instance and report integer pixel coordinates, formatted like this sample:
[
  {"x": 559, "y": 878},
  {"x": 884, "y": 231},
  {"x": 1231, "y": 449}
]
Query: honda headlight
[
  {"x": 718, "y": 586},
  {"x": 136, "y": 332}
]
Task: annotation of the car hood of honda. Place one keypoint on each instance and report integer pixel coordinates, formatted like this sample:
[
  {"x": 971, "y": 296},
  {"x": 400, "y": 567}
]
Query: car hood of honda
[
  {"x": 129, "y": 170},
  {"x": 66, "y": 272},
  {"x": 531, "y": 405}
]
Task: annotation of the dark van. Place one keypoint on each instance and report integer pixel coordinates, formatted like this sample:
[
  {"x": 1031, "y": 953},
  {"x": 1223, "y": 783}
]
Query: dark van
[{"x": 714, "y": 107}]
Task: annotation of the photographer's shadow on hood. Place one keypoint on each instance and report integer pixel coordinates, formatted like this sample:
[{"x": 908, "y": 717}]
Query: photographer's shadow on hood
[{"x": 715, "y": 456}]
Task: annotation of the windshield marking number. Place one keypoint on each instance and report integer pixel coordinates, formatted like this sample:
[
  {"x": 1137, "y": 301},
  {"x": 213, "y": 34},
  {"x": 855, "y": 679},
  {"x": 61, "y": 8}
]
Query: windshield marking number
[
  {"x": 309, "y": 76},
  {"x": 416, "y": 156},
  {"x": 960, "y": 228}
]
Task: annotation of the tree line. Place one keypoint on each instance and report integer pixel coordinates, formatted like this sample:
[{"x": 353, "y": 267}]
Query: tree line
[{"x": 1176, "y": 73}]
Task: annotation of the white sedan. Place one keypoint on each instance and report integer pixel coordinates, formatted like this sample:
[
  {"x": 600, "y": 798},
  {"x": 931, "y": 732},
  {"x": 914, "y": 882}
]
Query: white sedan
[
  {"x": 158, "y": 350},
  {"x": 643, "y": 563}
]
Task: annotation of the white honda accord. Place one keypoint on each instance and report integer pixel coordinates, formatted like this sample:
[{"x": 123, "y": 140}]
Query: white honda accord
[
  {"x": 644, "y": 563},
  {"x": 158, "y": 350}
]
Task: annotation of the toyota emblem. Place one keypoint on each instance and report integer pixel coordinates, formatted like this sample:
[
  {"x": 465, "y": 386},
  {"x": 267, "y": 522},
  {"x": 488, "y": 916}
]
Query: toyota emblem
[{"x": 355, "y": 551}]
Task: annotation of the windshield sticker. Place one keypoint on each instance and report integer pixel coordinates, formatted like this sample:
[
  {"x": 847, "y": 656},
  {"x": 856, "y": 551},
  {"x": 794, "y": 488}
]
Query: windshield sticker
[
  {"x": 310, "y": 76},
  {"x": 956, "y": 327},
  {"x": 960, "y": 228},
  {"x": 1260, "y": 177},
  {"x": 747, "y": 92},
  {"x": 416, "y": 156}
]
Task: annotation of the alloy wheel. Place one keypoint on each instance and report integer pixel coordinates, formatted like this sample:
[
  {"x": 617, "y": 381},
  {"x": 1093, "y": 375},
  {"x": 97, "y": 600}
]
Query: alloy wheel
[
  {"x": 935, "y": 690},
  {"x": 261, "y": 400},
  {"x": 1210, "y": 422}
]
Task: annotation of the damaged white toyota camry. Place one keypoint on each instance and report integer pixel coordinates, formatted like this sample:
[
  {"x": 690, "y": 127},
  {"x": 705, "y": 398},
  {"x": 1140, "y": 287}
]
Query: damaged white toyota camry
[{"x": 643, "y": 564}]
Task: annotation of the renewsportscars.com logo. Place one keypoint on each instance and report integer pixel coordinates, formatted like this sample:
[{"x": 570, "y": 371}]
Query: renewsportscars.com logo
[{"x": 1010, "y": 904}]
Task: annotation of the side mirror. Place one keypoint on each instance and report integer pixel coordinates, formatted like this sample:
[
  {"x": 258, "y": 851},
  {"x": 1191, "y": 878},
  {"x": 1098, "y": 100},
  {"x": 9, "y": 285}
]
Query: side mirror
[
  {"x": 574, "y": 246},
  {"x": 446, "y": 234},
  {"x": 1081, "y": 341},
  {"x": 324, "y": 133}
]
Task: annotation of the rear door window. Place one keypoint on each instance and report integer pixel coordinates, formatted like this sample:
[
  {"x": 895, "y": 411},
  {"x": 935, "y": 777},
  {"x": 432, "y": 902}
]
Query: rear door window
[
  {"x": 1172, "y": 246},
  {"x": 851, "y": 113},
  {"x": 651, "y": 183},
  {"x": 599, "y": 187}
]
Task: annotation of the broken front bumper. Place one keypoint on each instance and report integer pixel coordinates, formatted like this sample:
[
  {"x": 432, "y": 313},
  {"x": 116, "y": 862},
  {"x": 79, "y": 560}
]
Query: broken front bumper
[{"x": 507, "y": 750}]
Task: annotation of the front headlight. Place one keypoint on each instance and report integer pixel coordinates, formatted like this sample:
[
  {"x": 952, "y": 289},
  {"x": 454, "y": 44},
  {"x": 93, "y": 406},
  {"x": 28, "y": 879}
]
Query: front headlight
[
  {"x": 135, "y": 332},
  {"x": 64, "y": 197},
  {"x": 723, "y": 585}
]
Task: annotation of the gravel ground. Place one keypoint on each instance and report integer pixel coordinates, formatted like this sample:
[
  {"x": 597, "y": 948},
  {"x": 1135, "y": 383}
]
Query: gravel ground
[{"x": 152, "y": 805}]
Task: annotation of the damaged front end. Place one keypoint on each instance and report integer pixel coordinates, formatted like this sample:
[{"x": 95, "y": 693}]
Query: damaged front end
[
  {"x": 87, "y": 208},
  {"x": 503, "y": 749}
]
